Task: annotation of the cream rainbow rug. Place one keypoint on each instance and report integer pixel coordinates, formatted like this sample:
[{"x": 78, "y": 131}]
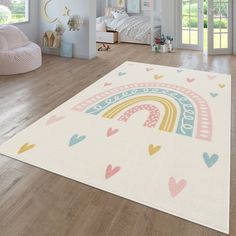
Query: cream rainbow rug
[{"x": 159, "y": 136}]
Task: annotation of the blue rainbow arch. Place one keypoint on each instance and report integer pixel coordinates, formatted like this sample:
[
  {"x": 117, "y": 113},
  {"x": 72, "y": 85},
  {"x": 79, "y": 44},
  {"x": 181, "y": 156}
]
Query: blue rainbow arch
[{"x": 194, "y": 114}]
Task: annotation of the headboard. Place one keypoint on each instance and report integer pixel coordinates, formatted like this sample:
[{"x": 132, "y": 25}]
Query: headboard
[
  {"x": 145, "y": 6},
  {"x": 132, "y": 6}
]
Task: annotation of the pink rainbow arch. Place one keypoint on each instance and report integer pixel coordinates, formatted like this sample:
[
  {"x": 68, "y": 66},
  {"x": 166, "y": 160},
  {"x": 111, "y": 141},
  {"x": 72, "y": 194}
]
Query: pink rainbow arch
[{"x": 204, "y": 126}]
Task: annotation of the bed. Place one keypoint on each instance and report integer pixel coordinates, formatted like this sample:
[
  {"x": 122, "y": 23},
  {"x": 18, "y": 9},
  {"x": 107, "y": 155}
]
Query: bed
[{"x": 132, "y": 29}]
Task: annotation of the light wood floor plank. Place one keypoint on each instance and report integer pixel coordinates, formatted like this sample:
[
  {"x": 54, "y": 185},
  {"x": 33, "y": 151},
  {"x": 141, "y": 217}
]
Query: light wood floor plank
[{"x": 34, "y": 202}]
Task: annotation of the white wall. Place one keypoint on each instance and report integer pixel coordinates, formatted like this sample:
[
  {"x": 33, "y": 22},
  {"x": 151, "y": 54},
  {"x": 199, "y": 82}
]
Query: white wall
[
  {"x": 84, "y": 41},
  {"x": 168, "y": 19},
  {"x": 31, "y": 28},
  {"x": 92, "y": 30},
  {"x": 100, "y": 11},
  {"x": 234, "y": 27}
]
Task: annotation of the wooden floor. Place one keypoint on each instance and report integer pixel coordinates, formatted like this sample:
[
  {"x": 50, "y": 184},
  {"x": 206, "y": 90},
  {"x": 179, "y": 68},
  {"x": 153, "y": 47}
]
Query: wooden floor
[{"x": 34, "y": 202}]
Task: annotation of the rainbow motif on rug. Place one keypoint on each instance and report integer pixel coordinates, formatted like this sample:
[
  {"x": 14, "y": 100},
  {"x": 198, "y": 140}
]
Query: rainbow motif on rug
[{"x": 185, "y": 112}]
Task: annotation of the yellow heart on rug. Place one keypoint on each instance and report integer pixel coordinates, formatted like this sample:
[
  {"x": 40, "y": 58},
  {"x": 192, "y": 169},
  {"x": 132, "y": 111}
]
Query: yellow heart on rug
[
  {"x": 26, "y": 147},
  {"x": 157, "y": 77},
  {"x": 154, "y": 149},
  {"x": 221, "y": 85}
]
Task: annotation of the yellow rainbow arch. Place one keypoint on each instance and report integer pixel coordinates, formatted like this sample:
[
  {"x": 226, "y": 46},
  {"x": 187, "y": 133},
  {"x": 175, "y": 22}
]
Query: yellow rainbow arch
[{"x": 170, "y": 115}]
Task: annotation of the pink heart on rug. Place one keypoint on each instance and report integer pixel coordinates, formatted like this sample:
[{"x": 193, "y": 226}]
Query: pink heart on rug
[
  {"x": 111, "y": 132},
  {"x": 107, "y": 84},
  {"x": 190, "y": 80},
  {"x": 111, "y": 171},
  {"x": 176, "y": 188},
  {"x": 54, "y": 119},
  {"x": 211, "y": 77},
  {"x": 149, "y": 69}
]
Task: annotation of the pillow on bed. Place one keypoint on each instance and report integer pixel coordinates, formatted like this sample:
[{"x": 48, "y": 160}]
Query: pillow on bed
[
  {"x": 119, "y": 13},
  {"x": 109, "y": 10},
  {"x": 99, "y": 19},
  {"x": 101, "y": 27},
  {"x": 106, "y": 19}
]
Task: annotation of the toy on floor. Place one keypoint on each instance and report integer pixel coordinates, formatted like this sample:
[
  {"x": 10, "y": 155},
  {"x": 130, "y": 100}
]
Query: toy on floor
[{"x": 104, "y": 47}]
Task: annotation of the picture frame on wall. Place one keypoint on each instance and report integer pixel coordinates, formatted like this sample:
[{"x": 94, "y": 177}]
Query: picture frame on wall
[
  {"x": 146, "y": 5},
  {"x": 133, "y": 6},
  {"x": 121, "y": 3}
]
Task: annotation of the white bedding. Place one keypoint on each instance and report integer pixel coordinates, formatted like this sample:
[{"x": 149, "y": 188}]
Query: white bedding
[{"x": 137, "y": 28}]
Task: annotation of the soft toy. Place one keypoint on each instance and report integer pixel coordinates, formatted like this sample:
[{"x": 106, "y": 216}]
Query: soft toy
[{"x": 75, "y": 23}]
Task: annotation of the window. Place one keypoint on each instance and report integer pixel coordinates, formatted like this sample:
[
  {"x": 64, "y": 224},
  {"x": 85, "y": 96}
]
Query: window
[
  {"x": 190, "y": 22},
  {"x": 13, "y": 11}
]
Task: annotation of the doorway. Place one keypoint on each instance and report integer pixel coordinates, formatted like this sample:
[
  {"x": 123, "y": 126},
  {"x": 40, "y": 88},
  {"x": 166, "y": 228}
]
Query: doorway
[
  {"x": 190, "y": 24},
  {"x": 205, "y": 25},
  {"x": 220, "y": 27}
]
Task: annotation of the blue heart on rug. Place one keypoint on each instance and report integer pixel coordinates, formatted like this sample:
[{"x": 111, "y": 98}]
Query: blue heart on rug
[
  {"x": 210, "y": 160},
  {"x": 75, "y": 139},
  {"x": 214, "y": 94},
  {"x": 122, "y": 73}
]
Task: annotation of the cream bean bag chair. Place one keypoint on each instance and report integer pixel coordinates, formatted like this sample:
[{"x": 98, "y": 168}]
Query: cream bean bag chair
[{"x": 17, "y": 53}]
